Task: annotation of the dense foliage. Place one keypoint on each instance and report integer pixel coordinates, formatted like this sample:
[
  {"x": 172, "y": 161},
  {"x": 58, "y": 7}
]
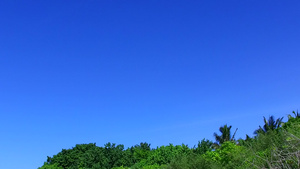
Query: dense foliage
[{"x": 275, "y": 145}]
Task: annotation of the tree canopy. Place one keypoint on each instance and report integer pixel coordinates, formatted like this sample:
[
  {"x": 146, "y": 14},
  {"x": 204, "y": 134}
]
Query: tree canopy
[{"x": 275, "y": 145}]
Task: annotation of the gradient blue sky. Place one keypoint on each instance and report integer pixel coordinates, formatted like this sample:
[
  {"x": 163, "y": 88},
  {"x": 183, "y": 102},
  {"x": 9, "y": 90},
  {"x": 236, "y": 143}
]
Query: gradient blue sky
[{"x": 160, "y": 71}]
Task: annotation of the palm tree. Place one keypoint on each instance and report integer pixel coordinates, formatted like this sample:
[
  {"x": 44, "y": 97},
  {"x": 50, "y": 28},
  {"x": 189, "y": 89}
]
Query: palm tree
[
  {"x": 246, "y": 141},
  {"x": 225, "y": 136},
  {"x": 297, "y": 115},
  {"x": 269, "y": 125}
]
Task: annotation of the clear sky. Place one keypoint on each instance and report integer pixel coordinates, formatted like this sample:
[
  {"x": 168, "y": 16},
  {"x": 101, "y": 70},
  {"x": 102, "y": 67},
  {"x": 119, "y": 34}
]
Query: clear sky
[{"x": 157, "y": 71}]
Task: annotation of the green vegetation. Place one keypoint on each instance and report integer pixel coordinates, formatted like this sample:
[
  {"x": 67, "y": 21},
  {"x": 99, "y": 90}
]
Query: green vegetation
[{"x": 275, "y": 145}]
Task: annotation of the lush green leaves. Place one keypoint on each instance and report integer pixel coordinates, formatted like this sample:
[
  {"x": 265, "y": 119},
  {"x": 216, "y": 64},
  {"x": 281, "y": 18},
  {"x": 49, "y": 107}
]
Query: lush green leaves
[
  {"x": 270, "y": 124},
  {"x": 276, "y": 145},
  {"x": 225, "y": 135},
  {"x": 203, "y": 147}
]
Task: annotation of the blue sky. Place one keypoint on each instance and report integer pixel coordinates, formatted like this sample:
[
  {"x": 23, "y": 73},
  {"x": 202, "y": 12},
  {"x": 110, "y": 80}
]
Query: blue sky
[{"x": 154, "y": 71}]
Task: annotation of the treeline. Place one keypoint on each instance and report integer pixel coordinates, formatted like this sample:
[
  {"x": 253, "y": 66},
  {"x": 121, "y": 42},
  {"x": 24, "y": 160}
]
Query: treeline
[{"x": 275, "y": 145}]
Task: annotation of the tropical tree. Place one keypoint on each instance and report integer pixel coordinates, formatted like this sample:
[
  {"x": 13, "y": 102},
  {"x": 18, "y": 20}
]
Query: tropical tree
[
  {"x": 297, "y": 115},
  {"x": 203, "y": 146},
  {"x": 269, "y": 125},
  {"x": 245, "y": 142},
  {"x": 225, "y": 135},
  {"x": 141, "y": 151}
]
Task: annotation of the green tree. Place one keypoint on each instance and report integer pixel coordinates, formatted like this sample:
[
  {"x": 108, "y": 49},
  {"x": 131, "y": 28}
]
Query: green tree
[
  {"x": 141, "y": 151},
  {"x": 269, "y": 125},
  {"x": 297, "y": 115},
  {"x": 165, "y": 154},
  {"x": 245, "y": 142},
  {"x": 50, "y": 166},
  {"x": 114, "y": 154},
  {"x": 203, "y": 147},
  {"x": 225, "y": 135}
]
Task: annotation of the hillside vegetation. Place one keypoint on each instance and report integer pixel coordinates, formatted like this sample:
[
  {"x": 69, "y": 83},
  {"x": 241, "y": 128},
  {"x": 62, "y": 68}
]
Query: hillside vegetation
[{"x": 275, "y": 145}]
